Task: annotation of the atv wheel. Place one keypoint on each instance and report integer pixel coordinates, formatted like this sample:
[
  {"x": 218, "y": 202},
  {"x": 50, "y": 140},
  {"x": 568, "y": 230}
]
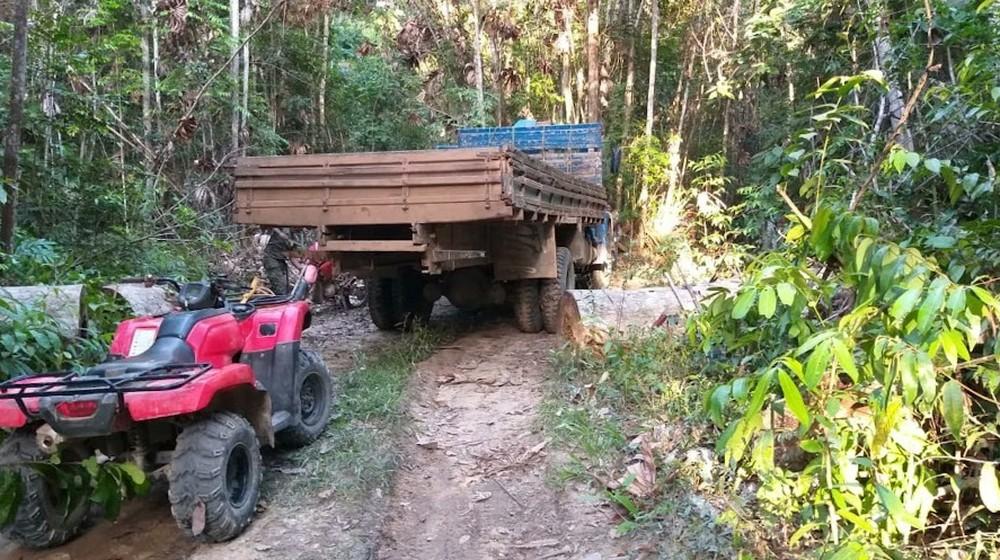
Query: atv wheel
[
  {"x": 315, "y": 401},
  {"x": 382, "y": 303},
  {"x": 215, "y": 477},
  {"x": 552, "y": 289},
  {"x": 41, "y": 520},
  {"x": 527, "y": 311}
]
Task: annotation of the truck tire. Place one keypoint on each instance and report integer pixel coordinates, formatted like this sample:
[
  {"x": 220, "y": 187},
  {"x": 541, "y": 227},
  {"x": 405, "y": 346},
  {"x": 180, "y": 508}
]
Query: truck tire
[
  {"x": 40, "y": 521},
  {"x": 215, "y": 477},
  {"x": 315, "y": 390},
  {"x": 382, "y": 303},
  {"x": 415, "y": 310},
  {"x": 527, "y": 309},
  {"x": 552, "y": 289}
]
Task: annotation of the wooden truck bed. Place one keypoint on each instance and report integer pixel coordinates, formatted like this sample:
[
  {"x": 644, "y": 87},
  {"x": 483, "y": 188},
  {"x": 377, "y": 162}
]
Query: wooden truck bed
[{"x": 414, "y": 187}]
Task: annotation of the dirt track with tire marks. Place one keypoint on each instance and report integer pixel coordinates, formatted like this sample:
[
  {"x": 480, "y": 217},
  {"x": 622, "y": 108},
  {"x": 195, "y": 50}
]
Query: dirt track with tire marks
[{"x": 472, "y": 484}]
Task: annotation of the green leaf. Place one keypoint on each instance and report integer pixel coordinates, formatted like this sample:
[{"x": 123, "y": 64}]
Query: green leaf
[
  {"x": 822, "y": 234},
  {"x": 984, "y": 296},
  {"x": 844, "y": 358},
  {"x": 134, "y": 473},
  {"x": 786, "y": 293},
  {"x": 819, "y": 360},
  {"x": 850, "y": 551},
  {"x": 953, "y": 407},
  {"x": 895, "y": 507},
  {"x": 932, "y": 303},
  {"x": 989, "y": 490},
  {"x": 793, "y": 400},
  {"x": 904, "y": 304},
  {"x": 898, "y": 160},
  {"x": 743, "y": 303},
  {"x": 933, "y": 165},
  {"x": 912, "y": 159},
  {"x": 767, "y": 302},
  {"x": 760, "y": 392}
]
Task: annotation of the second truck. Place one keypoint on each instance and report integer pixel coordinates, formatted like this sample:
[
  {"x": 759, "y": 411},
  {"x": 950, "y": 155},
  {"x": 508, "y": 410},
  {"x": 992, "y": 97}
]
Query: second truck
[{"x": 513, "y": 215}]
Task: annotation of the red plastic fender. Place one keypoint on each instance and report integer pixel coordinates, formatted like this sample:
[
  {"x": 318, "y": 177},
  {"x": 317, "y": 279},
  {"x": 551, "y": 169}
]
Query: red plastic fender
[
  {"x": 216, "y": 340},
  {"x": 270, "y": 326},
  {"x": 11, "y": 415},
  {"x": 193, "y": 397}
]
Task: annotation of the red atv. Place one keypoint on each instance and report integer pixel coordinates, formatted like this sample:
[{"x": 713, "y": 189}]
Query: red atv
[{"x": 198, "y": 390}]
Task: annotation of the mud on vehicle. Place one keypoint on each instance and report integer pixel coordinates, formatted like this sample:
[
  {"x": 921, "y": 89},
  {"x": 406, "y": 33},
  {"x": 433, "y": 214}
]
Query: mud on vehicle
[{"x": 196, "y": 392}]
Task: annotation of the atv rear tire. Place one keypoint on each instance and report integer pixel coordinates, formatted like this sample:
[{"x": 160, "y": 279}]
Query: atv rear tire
[
  {"x": 315, "y": 390},
  {"x": 40, "y": 520},
  {"x": 552, "y": 290},
  {"x": 215, "y": 477},
  {"x": 527, "y": 310}
]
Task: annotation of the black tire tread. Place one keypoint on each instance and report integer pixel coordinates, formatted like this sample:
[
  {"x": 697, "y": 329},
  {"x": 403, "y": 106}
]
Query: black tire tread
[
  {"x": 197, "y": 474},
  {"x": 382, "y": 303},
  {"x": 527, "y": 310},
  {"x": 552, "y": 289},
  {"x": 33, "y": 525},
  {"x": 300, "y": 435}
]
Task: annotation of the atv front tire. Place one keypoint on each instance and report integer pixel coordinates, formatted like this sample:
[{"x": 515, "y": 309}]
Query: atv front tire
[
  {"x": 41, "y": 519},
  {"x": 315, "y": 390},
  {"x": 215, "y": 477}
]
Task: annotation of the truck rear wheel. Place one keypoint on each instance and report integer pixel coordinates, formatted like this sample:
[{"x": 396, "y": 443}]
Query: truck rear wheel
[
  {"x": 215, "y": 477},
  {"x": 382, "y": 303},
  {"x": 42, "y": 519},
  {"x": 527, "y": 309},
  {"x": 315, "y": 391},
  {"x": 553, "y": 289}
]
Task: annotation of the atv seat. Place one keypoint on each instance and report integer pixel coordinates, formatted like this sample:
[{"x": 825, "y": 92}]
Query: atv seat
[{"x": 169, "y": 348}]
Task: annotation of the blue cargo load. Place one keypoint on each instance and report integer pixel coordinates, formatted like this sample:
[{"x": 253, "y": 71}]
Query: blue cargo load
[{"x": 572, "y": 148}]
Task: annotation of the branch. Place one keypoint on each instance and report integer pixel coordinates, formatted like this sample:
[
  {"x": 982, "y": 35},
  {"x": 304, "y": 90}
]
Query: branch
[{"x": 201, "y": 92}]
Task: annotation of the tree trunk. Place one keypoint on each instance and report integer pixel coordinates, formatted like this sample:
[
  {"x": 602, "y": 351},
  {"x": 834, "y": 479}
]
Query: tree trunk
[
  {"x": 15, "y": 116},
  {"x": 477, "y": 48},
  {"x": 156, "y": 69},
  {"x": 894, "y": 97},
  {"x": 145, "y": 40},
  {"x": 566, "y": 48},
  {"x": 654, "y": 39},
  {"x": 498, "y": 77},
  {"x": 234, "y": 72},
  {"x": 245, "y": 107},
  {"x": 325, "y": 70},
  {"x": 629, "y": 75},
  {"x": 593, "y": 62}
]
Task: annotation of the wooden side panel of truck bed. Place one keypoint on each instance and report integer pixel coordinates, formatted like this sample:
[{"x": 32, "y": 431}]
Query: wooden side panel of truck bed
[{"x": 429, "y": 186}]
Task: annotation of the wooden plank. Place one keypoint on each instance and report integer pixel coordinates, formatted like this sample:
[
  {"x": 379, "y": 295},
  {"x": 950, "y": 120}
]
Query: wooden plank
[
  {"x": 395, "y": 180},
  {"x": 316, "y": 215},
  {"x": 479, "y": 165},
  {"x": 374, "y": 246},
  {"x": 369, "y": 158}
]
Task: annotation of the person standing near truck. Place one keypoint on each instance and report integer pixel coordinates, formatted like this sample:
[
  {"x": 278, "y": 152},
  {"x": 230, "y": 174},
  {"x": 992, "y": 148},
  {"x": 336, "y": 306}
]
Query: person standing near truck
[{"x": 275, "y": 260}]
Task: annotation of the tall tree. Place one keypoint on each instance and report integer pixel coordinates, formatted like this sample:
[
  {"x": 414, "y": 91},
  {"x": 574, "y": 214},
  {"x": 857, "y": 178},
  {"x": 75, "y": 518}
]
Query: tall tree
[
  {"x": 15, "y": 117},
  {"x": 654, "y": 8},
  {"x": 234, "y": 73},
  {"x": 593, "y": 61},
  {"x": 477, "y": 49},
  {"x": 565, "y": 47},
  {"x": 629, "y": 100},
  {"x": 324, "y": 70}
]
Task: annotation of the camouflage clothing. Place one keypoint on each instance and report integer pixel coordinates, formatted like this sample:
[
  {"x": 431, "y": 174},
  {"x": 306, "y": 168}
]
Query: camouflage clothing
[{"x": 275, "y": 261}]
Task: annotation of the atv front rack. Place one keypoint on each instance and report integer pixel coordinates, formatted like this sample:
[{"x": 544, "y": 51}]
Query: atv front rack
[{"x": 162, "y": 378}]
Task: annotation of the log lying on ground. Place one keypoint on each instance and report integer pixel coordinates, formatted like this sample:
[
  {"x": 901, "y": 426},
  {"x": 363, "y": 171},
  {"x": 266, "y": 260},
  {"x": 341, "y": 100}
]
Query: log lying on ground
[
  {"x": 153, "y": 300},
  {"x": 63, "y": 303}
]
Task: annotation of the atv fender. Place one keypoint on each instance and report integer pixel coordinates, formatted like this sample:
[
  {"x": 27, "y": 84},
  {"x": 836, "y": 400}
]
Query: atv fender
[
  {"x": 195, "y": 396},
  {"x": 250, "y": 402}
]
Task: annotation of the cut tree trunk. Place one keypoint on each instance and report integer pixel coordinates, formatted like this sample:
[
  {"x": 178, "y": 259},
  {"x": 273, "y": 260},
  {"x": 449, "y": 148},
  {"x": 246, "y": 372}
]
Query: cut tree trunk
[
  {"x": 15, "y": 117},
  {"x": 593, "y": 62}
]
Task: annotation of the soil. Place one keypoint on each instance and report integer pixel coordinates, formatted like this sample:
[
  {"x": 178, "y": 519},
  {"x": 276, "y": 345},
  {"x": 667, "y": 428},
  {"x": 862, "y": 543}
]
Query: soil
[{"x": 473, "y": 484}]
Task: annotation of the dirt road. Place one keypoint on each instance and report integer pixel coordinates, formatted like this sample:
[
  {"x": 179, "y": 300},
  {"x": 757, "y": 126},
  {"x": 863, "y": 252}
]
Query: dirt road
[{"x": 472, "y": 484}]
